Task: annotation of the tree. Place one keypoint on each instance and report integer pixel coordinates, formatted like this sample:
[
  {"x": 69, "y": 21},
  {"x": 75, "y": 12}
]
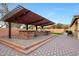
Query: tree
[
  {"x": 59, "y": 26},
  {"x": 66, "y": 26}
]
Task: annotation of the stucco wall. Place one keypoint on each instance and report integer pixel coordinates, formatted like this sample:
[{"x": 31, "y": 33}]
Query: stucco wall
[
  {"x": 75, "y": 28},
  {"x": 56, "y": 30}
]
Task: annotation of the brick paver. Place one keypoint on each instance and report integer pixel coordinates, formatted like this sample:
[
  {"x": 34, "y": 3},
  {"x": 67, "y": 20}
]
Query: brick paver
[
  {"x": 7, "y": 51},
  {"x": 26, "y": 42},
  {"x": 62, "y": 45}
]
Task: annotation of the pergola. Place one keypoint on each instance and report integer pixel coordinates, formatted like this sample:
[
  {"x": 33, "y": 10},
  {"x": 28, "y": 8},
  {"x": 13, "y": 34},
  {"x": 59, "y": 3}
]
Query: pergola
[{"x": 24, "y": 16}]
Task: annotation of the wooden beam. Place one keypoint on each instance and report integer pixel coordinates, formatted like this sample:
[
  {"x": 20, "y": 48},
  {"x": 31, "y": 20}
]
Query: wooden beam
[
  {"x": 36, "y": 21},
  {"x": 43, "y": 23},
  {"x": 22, "y": 15}
]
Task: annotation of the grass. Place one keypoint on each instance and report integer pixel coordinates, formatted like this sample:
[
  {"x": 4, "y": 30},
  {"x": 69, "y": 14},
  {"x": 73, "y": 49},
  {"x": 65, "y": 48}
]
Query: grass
[{"x": 57, "y": 33}]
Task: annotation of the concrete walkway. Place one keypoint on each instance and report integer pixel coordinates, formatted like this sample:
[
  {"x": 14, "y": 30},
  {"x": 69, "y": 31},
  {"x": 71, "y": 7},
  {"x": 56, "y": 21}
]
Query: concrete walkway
[{"x": 62, "y": 45}]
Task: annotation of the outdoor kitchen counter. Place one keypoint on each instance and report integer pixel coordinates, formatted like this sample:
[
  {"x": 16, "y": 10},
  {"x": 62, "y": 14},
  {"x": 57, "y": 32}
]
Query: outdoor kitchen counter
[{"x": 30, "y": 34}]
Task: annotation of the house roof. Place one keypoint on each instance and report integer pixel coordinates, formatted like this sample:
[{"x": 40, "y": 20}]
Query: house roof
[{"x": 74, "y": 19}]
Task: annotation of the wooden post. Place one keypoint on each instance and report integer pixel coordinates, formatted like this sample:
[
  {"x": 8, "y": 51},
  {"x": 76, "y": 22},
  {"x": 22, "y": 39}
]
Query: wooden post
[
  {"x": 35, "y": 31},
  {"x": 9, "y": 29},
  {"x": 36, "y": 27},
  {"x": 42, "y": 27},
  {"x": 26, "y": 26}
]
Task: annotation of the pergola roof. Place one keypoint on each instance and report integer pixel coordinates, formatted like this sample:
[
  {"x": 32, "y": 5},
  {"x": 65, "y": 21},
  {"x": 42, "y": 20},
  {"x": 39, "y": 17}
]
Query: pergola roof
[{"x": 25, "y": 16}]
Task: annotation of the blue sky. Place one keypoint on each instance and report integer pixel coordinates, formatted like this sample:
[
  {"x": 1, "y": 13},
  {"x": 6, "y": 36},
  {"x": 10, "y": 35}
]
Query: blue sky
[{"x": 57, "y": 12}]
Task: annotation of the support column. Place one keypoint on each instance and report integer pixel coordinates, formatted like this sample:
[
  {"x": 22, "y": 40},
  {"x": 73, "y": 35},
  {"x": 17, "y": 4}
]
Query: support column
[
  {"x": 26, "y": 26},
  {"x": 42, "y": 28},
  {"x": 9, "y": 29},
  {"x": 36, "y": 28}
]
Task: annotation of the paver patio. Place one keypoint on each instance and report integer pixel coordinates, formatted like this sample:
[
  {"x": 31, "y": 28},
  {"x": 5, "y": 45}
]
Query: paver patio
[
  {"x": 62, "y": 45},
  {"x": 26, "y": 42}
]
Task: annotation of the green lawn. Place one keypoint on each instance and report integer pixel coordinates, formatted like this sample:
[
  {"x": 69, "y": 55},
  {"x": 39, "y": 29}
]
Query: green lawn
[{"x": 57, "y": 33}]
